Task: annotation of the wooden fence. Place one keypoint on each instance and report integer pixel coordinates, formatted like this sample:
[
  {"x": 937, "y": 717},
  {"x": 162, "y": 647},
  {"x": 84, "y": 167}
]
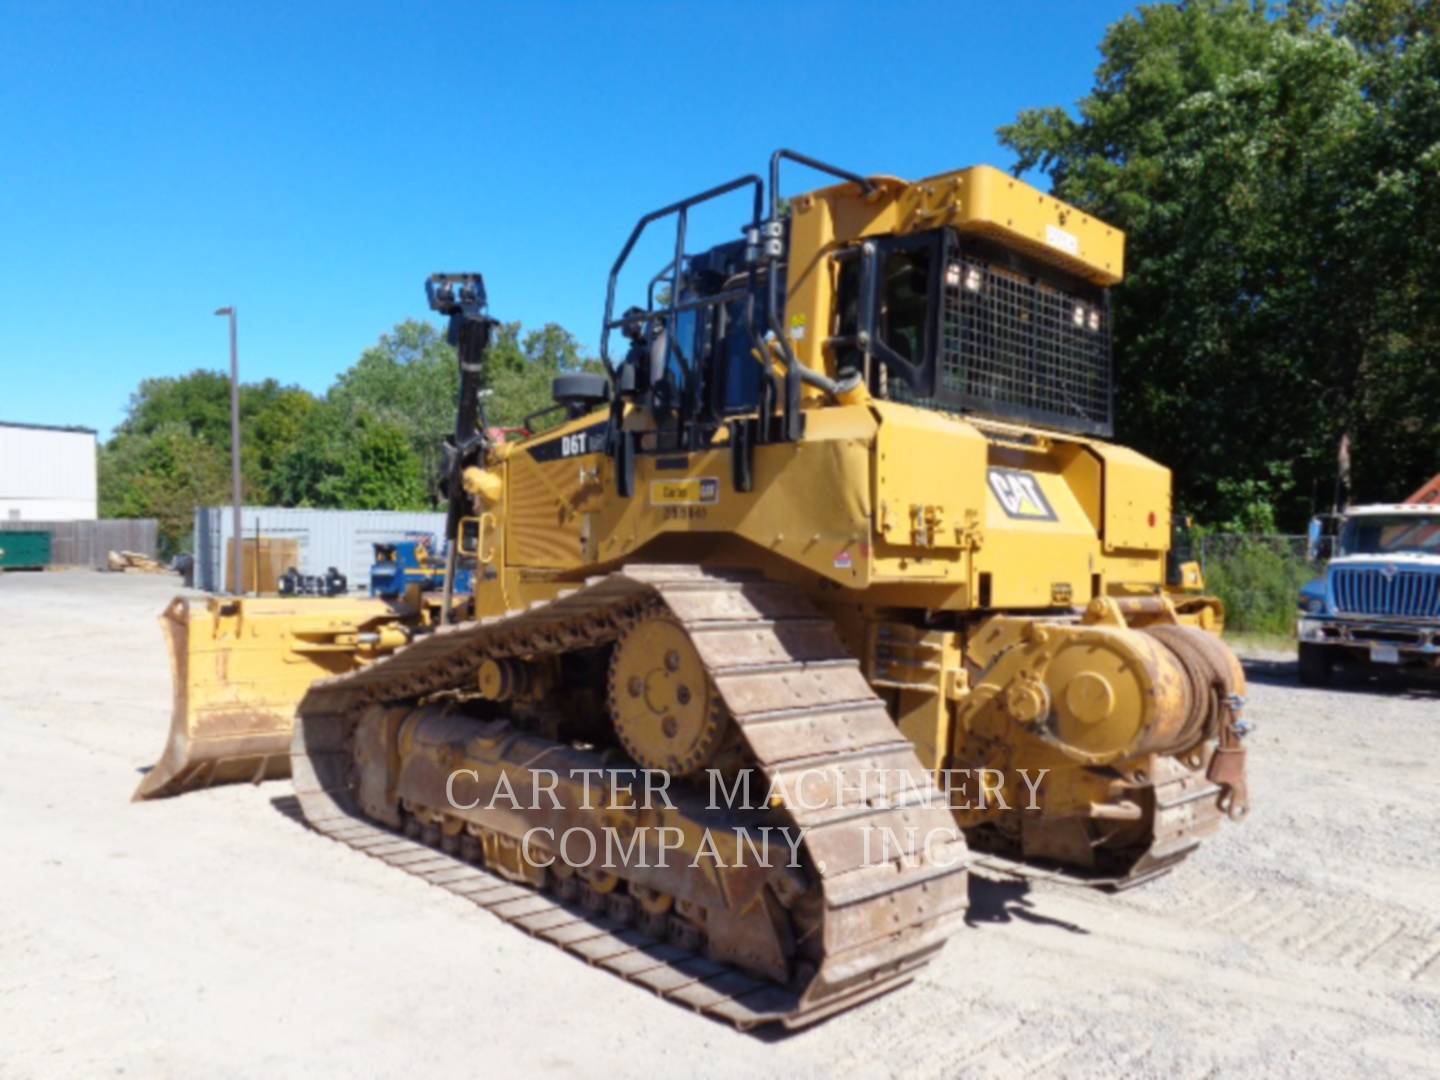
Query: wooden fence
[{"x": 86, "y": 543}]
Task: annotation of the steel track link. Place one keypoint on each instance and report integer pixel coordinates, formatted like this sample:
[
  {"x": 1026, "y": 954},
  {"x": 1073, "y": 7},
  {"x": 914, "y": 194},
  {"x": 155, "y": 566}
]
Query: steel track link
[
  {"x": 1186, "y": 811},
  {"x": 802, "y": 706}
]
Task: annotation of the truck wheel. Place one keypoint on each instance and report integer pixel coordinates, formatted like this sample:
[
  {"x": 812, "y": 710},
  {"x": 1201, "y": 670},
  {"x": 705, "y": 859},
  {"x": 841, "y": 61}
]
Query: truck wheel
[{"x": 1316, "y": 667}]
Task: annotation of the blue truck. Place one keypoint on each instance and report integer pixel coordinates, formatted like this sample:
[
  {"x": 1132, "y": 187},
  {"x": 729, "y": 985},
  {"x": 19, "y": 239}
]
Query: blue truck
[{"x": 1378, "y": 604}]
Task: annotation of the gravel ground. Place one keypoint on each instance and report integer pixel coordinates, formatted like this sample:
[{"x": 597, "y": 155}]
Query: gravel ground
[{"x": 214, "y": 934}]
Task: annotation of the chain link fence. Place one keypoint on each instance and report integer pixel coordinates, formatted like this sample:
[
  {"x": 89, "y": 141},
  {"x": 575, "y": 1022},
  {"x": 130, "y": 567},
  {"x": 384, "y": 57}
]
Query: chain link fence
[{"x": 1258, "y": 577}]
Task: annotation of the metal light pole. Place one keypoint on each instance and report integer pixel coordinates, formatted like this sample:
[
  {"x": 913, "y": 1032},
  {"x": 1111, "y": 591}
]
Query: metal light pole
[{"x": 237, "y": 544}]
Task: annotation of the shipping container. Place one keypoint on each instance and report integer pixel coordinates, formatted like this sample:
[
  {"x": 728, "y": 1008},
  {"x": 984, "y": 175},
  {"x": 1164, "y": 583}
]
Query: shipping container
[{"x": 343, "y": 539}]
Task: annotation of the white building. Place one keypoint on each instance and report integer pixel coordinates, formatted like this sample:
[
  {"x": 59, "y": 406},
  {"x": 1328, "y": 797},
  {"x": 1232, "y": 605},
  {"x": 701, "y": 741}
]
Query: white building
[{"x": 46, "y": 473}]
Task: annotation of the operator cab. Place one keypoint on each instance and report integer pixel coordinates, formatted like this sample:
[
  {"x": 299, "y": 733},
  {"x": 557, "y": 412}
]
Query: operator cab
[
  {"x": 1391, "y": 530},
  {"x": 707, "y": 366},
  {"x": 998, "y": 309}
]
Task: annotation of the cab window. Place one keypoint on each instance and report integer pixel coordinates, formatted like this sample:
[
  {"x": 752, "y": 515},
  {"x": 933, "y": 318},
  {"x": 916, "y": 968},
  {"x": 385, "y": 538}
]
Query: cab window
[{"x": 905, "y": 303}]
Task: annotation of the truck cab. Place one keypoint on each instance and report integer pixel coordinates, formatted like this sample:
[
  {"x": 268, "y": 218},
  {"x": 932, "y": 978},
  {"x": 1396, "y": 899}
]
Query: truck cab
[{"x": 1378, "y": 603}]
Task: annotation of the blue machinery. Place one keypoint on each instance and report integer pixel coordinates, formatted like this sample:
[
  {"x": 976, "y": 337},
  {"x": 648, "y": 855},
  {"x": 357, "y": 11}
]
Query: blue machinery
[{"x": 416, "y": 560}]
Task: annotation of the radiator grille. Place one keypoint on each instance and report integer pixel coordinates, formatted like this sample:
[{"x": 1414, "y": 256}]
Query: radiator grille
[
  {"x": 1370, "y": 591},
  {"x": 1018, "y": 346}
]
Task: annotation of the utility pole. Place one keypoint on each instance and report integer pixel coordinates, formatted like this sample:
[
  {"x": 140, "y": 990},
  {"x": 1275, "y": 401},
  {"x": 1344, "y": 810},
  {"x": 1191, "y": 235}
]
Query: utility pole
[{"x": 237, "y": 542}]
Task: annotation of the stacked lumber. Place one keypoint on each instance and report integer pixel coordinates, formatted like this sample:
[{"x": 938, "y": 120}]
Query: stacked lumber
[{"x": 132, "y": 562}]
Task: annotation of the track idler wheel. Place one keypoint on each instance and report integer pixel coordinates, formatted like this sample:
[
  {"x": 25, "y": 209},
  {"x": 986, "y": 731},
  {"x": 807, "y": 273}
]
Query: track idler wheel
[{"x": 667, "y": 713}]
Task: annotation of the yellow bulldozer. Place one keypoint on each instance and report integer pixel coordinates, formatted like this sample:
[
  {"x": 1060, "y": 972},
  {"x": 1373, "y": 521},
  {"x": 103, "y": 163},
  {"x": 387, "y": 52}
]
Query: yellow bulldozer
[{"x": 829, "y": 587}]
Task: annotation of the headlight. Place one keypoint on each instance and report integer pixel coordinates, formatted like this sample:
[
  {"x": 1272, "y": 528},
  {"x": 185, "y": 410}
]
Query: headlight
[{"x": 1313, "y": 604}]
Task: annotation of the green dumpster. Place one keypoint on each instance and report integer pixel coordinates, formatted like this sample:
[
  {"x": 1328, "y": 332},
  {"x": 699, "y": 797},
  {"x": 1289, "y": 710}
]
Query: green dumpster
[{"x": 23, "y": 550}]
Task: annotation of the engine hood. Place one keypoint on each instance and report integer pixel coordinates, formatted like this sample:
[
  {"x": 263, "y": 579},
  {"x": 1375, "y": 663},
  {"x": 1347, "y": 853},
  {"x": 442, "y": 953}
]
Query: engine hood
[{"x": 1407, "y": 560}]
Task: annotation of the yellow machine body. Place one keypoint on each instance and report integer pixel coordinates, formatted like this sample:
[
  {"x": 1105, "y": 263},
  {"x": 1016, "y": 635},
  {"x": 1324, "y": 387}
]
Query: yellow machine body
[
  {"x": 884, "y": 511},
  {"x": 919, "y": 531},
  {"x": 901, "y": 503},
  {"x": 893, "y": 515}
]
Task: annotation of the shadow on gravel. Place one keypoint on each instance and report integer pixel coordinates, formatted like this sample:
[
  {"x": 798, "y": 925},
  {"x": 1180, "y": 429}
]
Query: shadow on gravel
[
  {"x": 1347, "y": 680},
  {"x": 289, "y": 805},
  {"x": 1005, "y": 901}
]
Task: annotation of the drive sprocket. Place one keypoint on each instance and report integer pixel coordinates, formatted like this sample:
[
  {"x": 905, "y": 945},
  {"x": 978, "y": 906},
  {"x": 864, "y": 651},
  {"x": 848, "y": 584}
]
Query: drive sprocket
[{"x": 667, "y": 713}]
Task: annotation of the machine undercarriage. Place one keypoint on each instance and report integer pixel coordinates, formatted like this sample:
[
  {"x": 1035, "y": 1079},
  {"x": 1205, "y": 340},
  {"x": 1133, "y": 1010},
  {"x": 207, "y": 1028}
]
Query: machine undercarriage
[{"x": 839, "y": 872}]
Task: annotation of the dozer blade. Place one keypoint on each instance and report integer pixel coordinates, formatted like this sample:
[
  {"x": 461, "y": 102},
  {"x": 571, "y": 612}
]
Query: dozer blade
[{"x": 239, "y": 667}]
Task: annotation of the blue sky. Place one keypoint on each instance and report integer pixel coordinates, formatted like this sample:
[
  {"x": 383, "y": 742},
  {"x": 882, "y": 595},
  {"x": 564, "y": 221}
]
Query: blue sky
[{"x": 312, "y": 163}]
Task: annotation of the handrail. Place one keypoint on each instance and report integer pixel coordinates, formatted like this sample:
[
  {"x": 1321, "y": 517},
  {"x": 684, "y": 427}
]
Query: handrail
[
  {"x": 866, "y": 186},
  {"x": 795, "y": 373},
  {"x": 679, "y": 208}
]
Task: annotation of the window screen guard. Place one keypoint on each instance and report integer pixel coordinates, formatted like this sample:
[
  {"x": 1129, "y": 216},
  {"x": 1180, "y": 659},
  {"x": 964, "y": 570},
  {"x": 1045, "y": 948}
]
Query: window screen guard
[{"x": 1016, "y": 340}]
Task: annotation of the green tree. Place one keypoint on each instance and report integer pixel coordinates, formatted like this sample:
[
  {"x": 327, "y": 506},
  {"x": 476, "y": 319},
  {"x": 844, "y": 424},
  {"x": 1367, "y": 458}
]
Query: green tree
[
  {"x": 409, "y": 379},
  {"x": 379, "y": 471},
  {"x": 270, "y": 436},
  {"x": 372, "y": 442},
  {"x": 521, "y": 369},
  {"x": 165, "y": 474},
  {"x": 351, "y": 462},
  {"x": 199, "y": 402},
  {"x": 1276, "y": 172},
  {"x": 172, "y": 451},
  {"x": 305, "y": 475}
]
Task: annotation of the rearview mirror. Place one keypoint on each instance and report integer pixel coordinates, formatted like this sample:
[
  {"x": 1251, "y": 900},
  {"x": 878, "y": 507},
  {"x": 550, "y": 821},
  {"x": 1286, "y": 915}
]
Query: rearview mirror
[{"x": 1314, "y": 539}]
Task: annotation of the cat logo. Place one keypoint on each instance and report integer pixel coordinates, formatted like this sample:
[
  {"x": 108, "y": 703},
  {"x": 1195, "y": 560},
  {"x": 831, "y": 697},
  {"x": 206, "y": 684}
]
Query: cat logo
[{"x": 1020, "y": 496}]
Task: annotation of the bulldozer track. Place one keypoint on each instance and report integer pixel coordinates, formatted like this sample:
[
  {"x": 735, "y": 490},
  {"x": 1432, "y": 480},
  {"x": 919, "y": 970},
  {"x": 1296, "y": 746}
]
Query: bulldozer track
[
  {"x": 799, "y": 702},
  {"x": 1186, "y": 811}
]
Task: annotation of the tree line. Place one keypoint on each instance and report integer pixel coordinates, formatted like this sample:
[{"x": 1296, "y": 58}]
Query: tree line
[
  {"x": 1277, "y": 170},
  {"x": 372, "y": 441}
]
